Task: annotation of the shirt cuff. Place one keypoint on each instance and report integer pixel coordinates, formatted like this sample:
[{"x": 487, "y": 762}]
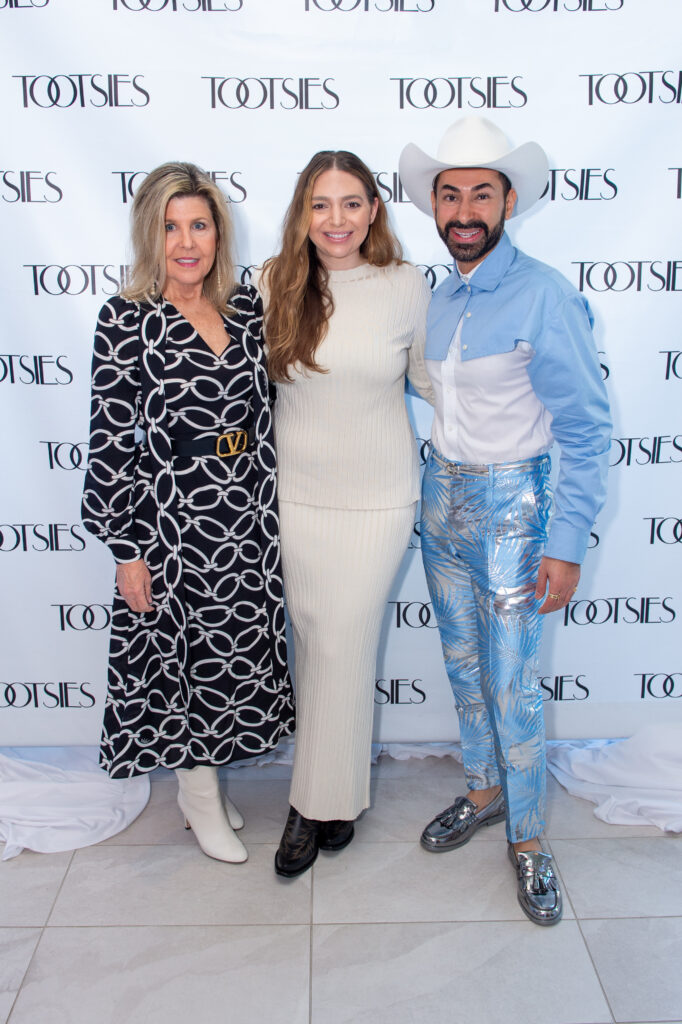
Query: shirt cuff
[{"x": 569, "y": 543}]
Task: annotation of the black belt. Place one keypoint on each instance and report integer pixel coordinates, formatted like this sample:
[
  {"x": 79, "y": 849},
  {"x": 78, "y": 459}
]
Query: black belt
[{"x": 234, "y": 442}]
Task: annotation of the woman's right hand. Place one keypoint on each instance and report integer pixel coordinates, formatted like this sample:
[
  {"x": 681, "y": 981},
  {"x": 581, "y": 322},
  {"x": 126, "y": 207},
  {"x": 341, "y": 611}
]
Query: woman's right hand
[{"x": 134, "y": 583}]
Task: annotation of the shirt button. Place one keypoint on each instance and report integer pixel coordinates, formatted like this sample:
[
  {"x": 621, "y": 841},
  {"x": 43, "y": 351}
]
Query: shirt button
[
  {"x": 468, "y": 314},
  {"x": 465, "y": 347},
  {"x": 468, "y": 288}
]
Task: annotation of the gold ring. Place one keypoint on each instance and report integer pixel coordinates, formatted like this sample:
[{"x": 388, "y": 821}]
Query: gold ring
[{"x": 555, "y": 597}]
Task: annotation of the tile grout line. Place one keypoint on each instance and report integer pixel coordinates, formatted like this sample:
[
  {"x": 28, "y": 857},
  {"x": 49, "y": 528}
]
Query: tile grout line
[
  {"x": 23, "y": 977},
  {"x": 60, "y": 887},
  {"x": 310, "y": 945},
  {"x": 344, "y": 924},
  {"x": 594, "y": 966},
  {"x": 43, "y": 928}
]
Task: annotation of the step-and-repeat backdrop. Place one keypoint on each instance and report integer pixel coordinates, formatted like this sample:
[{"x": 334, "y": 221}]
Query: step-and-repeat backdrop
[{"x": 94, "y": 93}]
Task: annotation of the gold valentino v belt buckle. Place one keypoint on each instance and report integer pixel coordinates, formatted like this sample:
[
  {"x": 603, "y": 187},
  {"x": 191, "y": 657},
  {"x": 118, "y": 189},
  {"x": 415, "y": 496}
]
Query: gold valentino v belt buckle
[{"x": 232, "y": 443}]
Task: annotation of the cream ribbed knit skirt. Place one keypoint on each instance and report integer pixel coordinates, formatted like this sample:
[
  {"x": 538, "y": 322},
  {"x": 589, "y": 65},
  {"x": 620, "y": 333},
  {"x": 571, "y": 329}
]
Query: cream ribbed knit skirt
[{"x": 338, "y": 568}]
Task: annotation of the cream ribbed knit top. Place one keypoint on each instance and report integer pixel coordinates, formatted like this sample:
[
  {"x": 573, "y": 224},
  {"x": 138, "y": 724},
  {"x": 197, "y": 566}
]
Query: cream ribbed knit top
[{"x": 343, "y": 438}]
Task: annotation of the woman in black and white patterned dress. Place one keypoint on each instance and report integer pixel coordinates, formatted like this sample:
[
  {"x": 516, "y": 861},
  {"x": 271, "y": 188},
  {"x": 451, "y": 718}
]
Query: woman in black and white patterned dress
[{"x": 197, "y": 667}]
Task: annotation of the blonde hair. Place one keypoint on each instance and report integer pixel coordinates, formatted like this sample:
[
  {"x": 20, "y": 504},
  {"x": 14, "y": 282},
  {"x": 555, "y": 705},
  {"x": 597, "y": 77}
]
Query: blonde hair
[
  {"x": 300, "y": 302},
  {"x": 148, "y": 234}
]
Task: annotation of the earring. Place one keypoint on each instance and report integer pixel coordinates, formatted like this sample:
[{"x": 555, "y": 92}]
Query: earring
[{"x": 219, "y": 277}]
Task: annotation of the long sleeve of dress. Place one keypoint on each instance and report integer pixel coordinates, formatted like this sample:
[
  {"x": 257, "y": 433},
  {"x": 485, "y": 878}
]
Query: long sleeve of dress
[
  {"x": 416, "y": 367},
  {"x": 107, "y": 507}
]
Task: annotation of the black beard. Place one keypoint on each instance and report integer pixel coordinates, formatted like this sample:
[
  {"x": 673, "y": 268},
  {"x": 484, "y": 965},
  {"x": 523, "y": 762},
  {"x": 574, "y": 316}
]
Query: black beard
[{"x": 469, "y": 253}]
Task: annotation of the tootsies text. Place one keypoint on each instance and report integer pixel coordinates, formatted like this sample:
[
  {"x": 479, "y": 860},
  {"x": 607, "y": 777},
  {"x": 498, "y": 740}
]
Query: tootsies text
[
  {"x": 537, "y": 6},
  {"x": 399, "y": 691},
  {"x": 156, "y": 6},
  {"x": 659, "y": 684},
  {"x": 626, "y": 275},
  {"x": 41, "y": 537},
  {"x": 76, "y": 279},
  {"x": 628, "y": 610},
  {"x": 664, "y": 529},
  {"x": 68, "y": 455},
  {"x": 83, "y": 617},
  {"x": 414, "y": 614},
  {"x": 656, "y": 450},
  {"x": 234, "y": 191},
  {"x": 634, "y": 86},
  {"x": 563, "y": 688},
  {"x": 16, "y": 368},
  {"x": 83, "y": 91},
  {"x": 29, "y": 187},
  {"x": 45, "y": 695},
  {"x": 383, "y": 6},
  {"x": 14, "y": 5},
  {"x": 494, "y": 91},
  {"x": 673, "y": 363},
  {"x": 272, "y": 93}
]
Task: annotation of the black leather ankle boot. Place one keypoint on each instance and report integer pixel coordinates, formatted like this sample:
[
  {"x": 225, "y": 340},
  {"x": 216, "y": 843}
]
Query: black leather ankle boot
[
  {"x": 299, "y": 845},
  {"x": 334, "y": 835}
]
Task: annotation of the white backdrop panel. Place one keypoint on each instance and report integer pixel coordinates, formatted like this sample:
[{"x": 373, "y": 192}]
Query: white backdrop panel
[{"x": 95, "y": 93}]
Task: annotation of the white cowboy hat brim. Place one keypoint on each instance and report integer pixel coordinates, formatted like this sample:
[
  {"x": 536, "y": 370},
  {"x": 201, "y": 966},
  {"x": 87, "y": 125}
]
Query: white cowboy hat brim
[{"x": 475, "y": 142}]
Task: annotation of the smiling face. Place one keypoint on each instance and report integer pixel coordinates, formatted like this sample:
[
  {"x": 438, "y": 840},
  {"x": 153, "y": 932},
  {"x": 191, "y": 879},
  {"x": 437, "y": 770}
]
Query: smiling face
[
  {"x": 341, "y": 216},
  {"x": 191, "y": 240},
  {"x": 470, "y": 208}
]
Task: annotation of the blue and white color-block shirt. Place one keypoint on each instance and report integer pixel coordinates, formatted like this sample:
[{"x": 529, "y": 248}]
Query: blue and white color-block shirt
[{"x": 514, "y": 368}]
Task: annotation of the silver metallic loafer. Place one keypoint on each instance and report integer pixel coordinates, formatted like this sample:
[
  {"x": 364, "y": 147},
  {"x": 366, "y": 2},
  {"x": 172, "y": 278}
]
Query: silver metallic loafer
[
  {"x": 538, "y": 892},
  {"x": 456, "y": 824}
]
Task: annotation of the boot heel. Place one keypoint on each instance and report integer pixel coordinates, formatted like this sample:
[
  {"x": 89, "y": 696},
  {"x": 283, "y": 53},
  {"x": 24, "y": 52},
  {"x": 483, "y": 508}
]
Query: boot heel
[
  {"x": 234, "y": 816},
  {"x": 201, "y": 804}
]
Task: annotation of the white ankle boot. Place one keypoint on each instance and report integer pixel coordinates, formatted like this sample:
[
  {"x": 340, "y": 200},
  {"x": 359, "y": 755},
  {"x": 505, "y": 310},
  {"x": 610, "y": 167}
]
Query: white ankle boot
[{"x": 201, "y": 803}]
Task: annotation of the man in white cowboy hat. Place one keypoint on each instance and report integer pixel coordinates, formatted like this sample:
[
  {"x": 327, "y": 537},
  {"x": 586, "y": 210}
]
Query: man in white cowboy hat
[{"x": 514, "y": 368}]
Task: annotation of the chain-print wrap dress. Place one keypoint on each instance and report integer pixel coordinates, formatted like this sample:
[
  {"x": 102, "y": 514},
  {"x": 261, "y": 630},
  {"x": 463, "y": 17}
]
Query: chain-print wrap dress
[{"x": 203, "y": 678}]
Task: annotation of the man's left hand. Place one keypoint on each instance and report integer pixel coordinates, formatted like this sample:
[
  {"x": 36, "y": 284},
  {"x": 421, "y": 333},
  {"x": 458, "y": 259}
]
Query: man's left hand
[{"x": 558, "y": 580}]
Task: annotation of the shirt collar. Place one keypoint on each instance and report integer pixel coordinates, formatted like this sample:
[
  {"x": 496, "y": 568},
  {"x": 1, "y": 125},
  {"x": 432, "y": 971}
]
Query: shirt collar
[{"x": 489, "y": 272}]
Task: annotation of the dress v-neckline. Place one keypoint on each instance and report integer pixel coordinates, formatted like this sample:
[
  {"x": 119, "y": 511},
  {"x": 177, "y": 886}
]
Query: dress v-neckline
[{"x": 218, "y": 355}]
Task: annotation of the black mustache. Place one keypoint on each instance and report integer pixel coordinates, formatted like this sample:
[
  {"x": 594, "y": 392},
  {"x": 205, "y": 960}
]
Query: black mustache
[{"x": 471, "y": 226}]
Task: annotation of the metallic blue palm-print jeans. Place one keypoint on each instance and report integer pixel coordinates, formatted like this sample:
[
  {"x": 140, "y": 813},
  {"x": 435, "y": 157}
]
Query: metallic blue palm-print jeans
[{"x": 483, "y": 532}]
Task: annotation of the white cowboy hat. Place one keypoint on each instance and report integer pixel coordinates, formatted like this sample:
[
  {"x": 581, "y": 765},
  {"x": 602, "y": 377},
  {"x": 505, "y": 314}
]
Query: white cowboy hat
[{"x": 475, "y": 142}]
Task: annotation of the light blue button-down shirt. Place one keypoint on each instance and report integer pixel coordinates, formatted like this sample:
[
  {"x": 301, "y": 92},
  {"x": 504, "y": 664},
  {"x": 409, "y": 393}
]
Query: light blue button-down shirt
[{"x": 513, "y": 298}]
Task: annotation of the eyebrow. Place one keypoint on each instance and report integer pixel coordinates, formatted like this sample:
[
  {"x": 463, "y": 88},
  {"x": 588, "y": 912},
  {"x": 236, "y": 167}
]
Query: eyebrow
[
  {"x": 355, "y": 195},
  {"x": 472, "y": 188}
]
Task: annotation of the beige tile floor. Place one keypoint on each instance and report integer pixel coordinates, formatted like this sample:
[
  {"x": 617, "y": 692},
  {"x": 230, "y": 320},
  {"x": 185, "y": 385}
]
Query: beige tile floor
[{"x": 144, "y": 929}]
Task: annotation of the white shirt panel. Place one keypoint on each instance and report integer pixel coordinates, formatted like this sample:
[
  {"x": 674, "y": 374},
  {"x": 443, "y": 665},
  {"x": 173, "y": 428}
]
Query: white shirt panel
[{"x": 486, "y": 410}]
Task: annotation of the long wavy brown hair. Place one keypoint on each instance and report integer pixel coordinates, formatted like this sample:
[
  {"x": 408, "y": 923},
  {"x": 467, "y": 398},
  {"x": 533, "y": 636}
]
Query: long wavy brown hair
[
  {"x": 148, "y": 233},
  {"x": 299, "y": 300}
]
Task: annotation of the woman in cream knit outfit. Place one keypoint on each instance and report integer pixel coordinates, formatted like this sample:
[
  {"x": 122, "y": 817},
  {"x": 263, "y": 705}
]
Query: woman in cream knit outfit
[{"x": 345, "y": 321}]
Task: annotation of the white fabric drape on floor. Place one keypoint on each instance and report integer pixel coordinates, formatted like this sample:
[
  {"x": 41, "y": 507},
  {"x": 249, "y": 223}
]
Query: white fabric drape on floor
[
  {"x": 635, "y": 781},
  {"x": 54, "y": 799}
]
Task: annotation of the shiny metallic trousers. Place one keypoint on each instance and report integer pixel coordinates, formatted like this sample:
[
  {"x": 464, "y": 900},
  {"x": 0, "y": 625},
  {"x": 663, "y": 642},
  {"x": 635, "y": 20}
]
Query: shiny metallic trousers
[{"x": 483, "y": 531}]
